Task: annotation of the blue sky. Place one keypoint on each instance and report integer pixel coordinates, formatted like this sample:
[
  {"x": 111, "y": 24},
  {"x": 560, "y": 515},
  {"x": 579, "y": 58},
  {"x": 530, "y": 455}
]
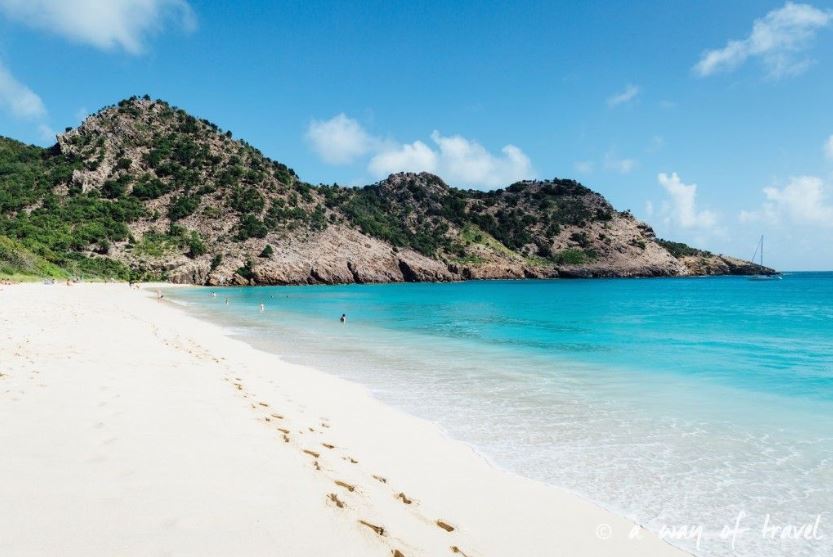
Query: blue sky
[{"x": 710, "y": 120}]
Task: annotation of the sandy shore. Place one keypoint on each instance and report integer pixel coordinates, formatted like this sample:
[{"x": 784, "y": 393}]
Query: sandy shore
[{"x": 130, "y": 428}]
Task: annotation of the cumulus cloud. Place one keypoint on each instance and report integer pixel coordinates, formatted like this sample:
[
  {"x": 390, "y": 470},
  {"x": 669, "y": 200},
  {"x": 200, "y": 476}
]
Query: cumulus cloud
[
  {"x": 105, "y": 24},
  {"x": 17, "y": 99},
  {"x": 457, "y": 159},
  {"x": 681, "y": 208},
  {"x": 805, "y": 200},
  {"x": 778, "y": 40},
  {"x": 828, "y": 148},
  {"x": 339, "y": 140},
  {"x": 626, "y": 96},
  {"x": 461, "y": 161},
  {"x": 408, "y": 157}
]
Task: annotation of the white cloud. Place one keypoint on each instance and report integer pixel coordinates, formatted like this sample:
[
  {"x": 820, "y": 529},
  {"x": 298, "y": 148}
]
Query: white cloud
[
  {"x": 612, "y": 163},
  {"x": 778, "y": 40},
  {"x": 105, "y": 24},
  {"x": 339, "y": 140},
  {"x": 626, "y": 96},
  {"x": 457, "y": 159},
  {"x": 408, "y": 157},
  {"x": 461, "y": 161},
  {"x": 681, "y": 209},
  {"x": 18, "y": 99},
  {"x": 805, "y": 200},
  {"x": 828, "y": 148}
]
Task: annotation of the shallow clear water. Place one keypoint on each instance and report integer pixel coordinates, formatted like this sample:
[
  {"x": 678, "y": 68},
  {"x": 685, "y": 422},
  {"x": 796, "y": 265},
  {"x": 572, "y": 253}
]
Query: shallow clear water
[{"x": 677, "y": 402}]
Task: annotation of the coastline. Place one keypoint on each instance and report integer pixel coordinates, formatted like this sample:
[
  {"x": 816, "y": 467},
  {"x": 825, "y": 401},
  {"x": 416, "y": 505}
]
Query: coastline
[{"x": 170, "y": 436}]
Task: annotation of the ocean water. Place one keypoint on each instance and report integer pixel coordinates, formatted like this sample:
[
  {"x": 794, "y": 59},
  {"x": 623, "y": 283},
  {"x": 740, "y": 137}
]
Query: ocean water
[{"x": 701, "y": 408}]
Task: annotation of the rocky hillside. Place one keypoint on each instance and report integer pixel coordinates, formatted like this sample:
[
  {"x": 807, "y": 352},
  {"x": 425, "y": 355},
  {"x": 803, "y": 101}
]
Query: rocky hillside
[{"x": 143, "y": 190}]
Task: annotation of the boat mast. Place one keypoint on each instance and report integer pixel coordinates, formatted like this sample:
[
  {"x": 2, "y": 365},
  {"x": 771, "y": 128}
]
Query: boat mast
[{"x": 762, "y": 250}]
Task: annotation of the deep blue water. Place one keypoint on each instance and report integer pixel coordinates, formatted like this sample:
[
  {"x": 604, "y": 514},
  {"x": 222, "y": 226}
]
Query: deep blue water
[{"x": 674, "y": 401}]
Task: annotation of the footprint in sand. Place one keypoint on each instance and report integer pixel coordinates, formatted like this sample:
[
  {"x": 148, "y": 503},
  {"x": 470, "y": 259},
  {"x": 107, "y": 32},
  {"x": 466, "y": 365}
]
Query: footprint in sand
[
  {"x": 378, "y": 529},
  {"x": 404, "y": 498},
  {"x": 445, "y": 526},
  {"x": 335, "y": 500},
  {"x": 349, "y": 487}
]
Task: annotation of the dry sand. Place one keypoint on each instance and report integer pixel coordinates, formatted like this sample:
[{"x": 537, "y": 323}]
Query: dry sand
[{"x": 129, "y": 428}]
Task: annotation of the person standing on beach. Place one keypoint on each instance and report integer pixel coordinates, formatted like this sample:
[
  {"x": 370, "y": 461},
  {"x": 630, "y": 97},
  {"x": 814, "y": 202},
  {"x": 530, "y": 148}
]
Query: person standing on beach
[
  {"x": 262, "y": 307},
  {"x": 343, "y": 318}
]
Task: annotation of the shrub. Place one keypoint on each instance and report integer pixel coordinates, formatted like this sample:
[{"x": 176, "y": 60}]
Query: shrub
[
  {"x": 150, "y": 187},
  {"x": 267, "y": 252},
  {"x": 196, "y": 247},
  {"x": 246, "y": 271},
  {"x": 571, "y": 256},
  {"x": 183, "y": 206},
  {"x": 247, "y": 200},
  {"x": 115, "y": 188},
  {"x": 251, "y": 227}
]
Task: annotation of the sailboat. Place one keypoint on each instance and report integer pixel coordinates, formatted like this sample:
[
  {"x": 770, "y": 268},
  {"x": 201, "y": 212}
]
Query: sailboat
[{"x": 760, "y": 249}]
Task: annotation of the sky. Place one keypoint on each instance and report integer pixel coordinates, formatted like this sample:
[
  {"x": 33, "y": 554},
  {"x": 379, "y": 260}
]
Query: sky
[{"x": 710, "y": 120}]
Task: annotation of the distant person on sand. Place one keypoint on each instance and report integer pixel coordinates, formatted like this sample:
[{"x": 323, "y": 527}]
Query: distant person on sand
[
  {"x": 343, "y": 318},
  {"x": 261, "y": 307},
  {"x": 226, "y": 301}
]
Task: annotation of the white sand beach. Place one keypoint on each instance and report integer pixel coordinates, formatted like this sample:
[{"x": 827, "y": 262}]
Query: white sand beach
[{"x": 130, "y": 428}]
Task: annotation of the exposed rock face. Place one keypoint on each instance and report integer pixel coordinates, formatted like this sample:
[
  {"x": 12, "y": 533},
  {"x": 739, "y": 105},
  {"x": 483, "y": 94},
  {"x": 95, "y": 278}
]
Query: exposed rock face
[{"x": 216, "y": 211}]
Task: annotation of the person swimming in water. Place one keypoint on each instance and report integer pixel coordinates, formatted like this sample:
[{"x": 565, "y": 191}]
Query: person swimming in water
[{"x": 343, "y": 318}]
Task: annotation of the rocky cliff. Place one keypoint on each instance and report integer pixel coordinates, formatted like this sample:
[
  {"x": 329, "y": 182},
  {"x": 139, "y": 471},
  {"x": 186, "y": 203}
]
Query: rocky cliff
[{"x": 145, "y": 190}]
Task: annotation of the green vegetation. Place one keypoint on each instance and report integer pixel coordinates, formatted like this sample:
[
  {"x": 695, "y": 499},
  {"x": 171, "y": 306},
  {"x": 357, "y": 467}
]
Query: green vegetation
[
  {"x": 183, "y": 206},
  {"x": 150, "y": 187},
  {"x": 572, "y": 256},
  {"x": 246, "y": 271},
  {"x": 58, "y": 214},
  {"x": 17, "y": 261},
  {"x": 678, "y": 249}
]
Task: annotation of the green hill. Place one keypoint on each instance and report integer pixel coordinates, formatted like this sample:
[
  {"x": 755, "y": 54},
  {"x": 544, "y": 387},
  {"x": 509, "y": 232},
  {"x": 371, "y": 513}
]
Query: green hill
[{"x": 144, "y": 190}]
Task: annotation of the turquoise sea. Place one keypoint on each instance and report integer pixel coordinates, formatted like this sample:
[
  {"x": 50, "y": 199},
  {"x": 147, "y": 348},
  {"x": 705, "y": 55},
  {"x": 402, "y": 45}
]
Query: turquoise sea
[{"x": 690, "y": 405}]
